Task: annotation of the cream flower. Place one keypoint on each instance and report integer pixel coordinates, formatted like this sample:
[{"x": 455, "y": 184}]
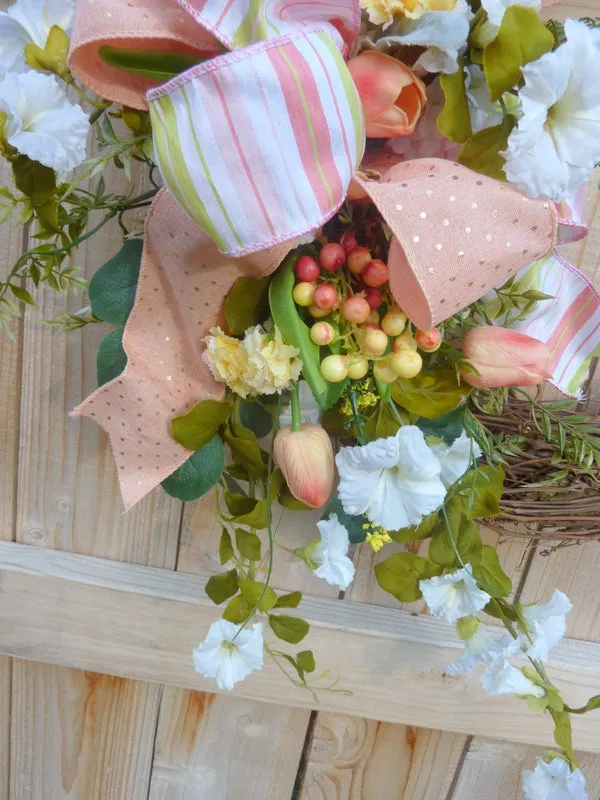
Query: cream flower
[
  {"x": 480, "y": 648},
  {"x": 547, "y": 624},
  {"x": 29, "y": 22},
  {"x": 227, "y": 360},
  {"x": 40, "y": 122},
  {"x": 554, "y": 781},
  {"x": 331, "y": 553},
  {"x": 226, "y": 660},
  {"x": 502, "y": 678},
  {"x": 455, "y": 458},
  {"x": 455, "y": 595},
  {"x": 383, "y": 12},
  {"x": 272, "y": 364},
  {"x": 395, "y": 482},
  {"x": 554, "y": 148}
]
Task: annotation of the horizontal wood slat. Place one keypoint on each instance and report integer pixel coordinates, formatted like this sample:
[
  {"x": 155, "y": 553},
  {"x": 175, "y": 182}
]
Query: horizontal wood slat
[{"x": 142, "y": 622}]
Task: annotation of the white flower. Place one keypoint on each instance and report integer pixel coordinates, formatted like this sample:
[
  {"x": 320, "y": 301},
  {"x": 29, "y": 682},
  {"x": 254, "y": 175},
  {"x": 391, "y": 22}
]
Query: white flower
[
  {"x": 229, "y": 661},
  {"x": 502, "y": 678},
  {"x": 443, "y": 33},
  {"x": 554, "y": 781},
  {"x": 488, "y": 30},
  {"x": 484, "y": 113},
  {"x": 395, "y": 482},
  {"x": 455, "y": 458},
  {"x": 547, "y": 624},
  {"x": 41, "y": 122},
  {"x": 331, "y": 553},
  {"x": 310, "y": 409},
  {"x": 554, "y": 148},
  {"x": 29, "y": 22},
  {"x": 455, "y": 595},
  {"x": 479, "y": 648}
]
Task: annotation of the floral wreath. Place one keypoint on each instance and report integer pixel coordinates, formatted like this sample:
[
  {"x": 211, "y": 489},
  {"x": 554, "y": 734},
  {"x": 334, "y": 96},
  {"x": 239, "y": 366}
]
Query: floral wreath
[{"x": 350, "y": 240}]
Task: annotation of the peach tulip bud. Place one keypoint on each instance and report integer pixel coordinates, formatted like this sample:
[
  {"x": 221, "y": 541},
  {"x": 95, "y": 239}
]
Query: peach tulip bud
[
  {"x": 306, "y": 459},
  {"x": 505, "y": 358},
  {"x": 392, "y": 96}
]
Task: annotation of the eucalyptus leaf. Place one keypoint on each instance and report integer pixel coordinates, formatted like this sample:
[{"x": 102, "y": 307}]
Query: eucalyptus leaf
[
  {"x": 112, "y": 288},
  {"x": 194, "y": 429},
  {"x": 290, "y": 629},
  {"x": 401, "y": 573},
  {"x": 247, "y": 304},
  {"x": 196, "y": 476},
  {"x": 447, "y": 427},
  {"x": 111, "y": 358},
  {"x": 256, "y": 417},
  {"x": 156, "y": 65}
]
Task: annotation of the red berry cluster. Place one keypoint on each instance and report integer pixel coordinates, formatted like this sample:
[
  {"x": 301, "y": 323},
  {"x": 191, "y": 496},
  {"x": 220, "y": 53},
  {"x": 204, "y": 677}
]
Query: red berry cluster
[{"x": 349, "y": 287}]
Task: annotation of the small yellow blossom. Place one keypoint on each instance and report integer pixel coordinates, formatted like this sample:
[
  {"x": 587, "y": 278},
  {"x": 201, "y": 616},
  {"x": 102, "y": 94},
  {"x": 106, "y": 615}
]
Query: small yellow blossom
[
  {"x": 366, "y": 397},
  {"x": 260, "y": 363},
  {"x": 382, "y": 12},
  {"x": 376, "y": 536}
]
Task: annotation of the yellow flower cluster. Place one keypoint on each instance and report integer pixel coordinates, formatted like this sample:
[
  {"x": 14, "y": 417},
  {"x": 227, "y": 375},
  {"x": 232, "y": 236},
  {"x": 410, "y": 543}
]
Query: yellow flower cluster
[
  {"x": 382, "y": 12},
  {"x": 366, "y": 397},
  {"x": 260, "y": 363},
  {"x": 376, "y": 536}
]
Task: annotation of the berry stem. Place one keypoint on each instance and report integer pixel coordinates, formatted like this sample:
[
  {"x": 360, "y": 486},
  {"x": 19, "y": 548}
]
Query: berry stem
[{"x": 296, "y": 409}]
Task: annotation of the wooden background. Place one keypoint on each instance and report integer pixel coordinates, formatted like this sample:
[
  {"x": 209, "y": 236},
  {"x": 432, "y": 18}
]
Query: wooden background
[{"x": 66, "y": 733}]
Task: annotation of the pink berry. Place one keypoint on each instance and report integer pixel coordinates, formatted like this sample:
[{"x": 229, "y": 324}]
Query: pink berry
[
  {"x": 373, "y": 296},
  {"x": 348, "y": 241},
  {"x": 317, "y": 312},
  {"x": 303, "y": 293},
  {"x": 357, "y": 367},
  {"x": 333, "y": 368},
  {"x": 322, "y": 333},
  {"x": 406, "y": 364},
  {"x": 332, "y": 257},
  {"x": 428, "y": 341},
  {"x": 325, "y": 296},
  {"x": 375, "y": 342},
  {"x": 383, "y": 372},
  {"x": 356, "y": 309},
  {"x": 394, "y": 321},
  {"x": 373, "y": 317},
  {"x": 358, "y": 260},
  {"x": 376, "y": 273},
  {"x": 404, "y": 342},
  {"x": 307, "y": 269}
]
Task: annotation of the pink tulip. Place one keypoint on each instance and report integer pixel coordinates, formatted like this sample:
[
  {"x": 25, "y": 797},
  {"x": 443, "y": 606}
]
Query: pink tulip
[
  {"x": 306, "y": 459},
  {"x": 392, "y": 96},
  {"x": 505, "y": 358}
]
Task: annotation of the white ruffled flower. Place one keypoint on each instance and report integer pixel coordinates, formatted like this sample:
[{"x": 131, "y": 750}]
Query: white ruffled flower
[
  {"x": 483, "y": 113},
  {"x": 41, "y": 122},
  {"x": 547, "y": 623},
  {"x": 455, "y": 458},
  {"x": 502, "y": 678},
  {"x": 331, "y": 553},
  {"x": 481, "y": 648},
  {"x": 310, "y": 411},
  {"x": 29, "y": 22},
  {"x": 487, "y": 31},
  {"x": 395, "y": 482},
  {"x": 554, "y": 148},
  {"x": 455, "y": 595},
  {"x": 554, "y": 781},
  {"x": 226, "y": 660}
]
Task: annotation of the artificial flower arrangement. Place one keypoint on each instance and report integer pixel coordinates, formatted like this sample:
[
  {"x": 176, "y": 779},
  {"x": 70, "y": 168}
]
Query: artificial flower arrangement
[{"x": 348, "y": 261}]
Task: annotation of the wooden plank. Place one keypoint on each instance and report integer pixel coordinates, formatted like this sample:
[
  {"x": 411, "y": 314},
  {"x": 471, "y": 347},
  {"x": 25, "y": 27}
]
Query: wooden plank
[
  {"x": 87, "y": 745},
  {"x": 389, "y": 659}
]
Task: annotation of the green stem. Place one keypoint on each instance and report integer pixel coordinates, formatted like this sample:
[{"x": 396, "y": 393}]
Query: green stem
[{"x": 296, "y": 409}]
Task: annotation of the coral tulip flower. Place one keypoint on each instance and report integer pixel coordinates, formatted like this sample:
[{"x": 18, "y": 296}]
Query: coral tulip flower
[
  {"x": 306, "y": 459},
  {"x": 505, "y": 358}
]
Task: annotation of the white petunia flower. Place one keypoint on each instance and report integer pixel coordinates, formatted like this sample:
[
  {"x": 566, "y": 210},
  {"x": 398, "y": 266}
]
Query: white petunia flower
[
  {"x": 501, "y": 677},
  {"x": 455, "y": 458},
  {"x": 395, "y": 482},
  {"x": 483, "y": 113},
  {"x": 331, "y": 553},
  {"x": 554, "y": 781},
  {"x": 479, "y": 648},
  {"x": 547, "y": 623},
  {"x": 488, "y": 30},
  {"x": 455, "y": 595},
  {"x": 41, "y": 122},
  {"x": 29, "y": 22},
  {"x": 554, "y": 148},
  {"x": 310, "y": 409},
  {"x": 229, "y": 661}
]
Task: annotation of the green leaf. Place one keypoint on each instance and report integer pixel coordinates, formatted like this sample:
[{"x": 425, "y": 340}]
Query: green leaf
[
  {"x": 306, "y": 660},
  {"x": 112, "y": 288},
  {"x": 522, "y": 38},
  {"x": 592, "y": 704},
  {"x": 424, "y": 530},
  {"x": 36, "y": 181},
  {"x": 53, "y": 57},
  {"x": 196, "y": 476},
  {"x": 481, "y": 152},
  {"x": 465, "y": 540},
  {"x": 563, "y": 735},
  {"x": 382, "y": 422},
  {"x": 247, "y": 510},
  {"x": 400, "y": 575},
  {"x": 287, "y": 500},
  {"x": 290, "y": 600},
  {"x": 245, "y": 449},
  {"x": 447, "y": 427},
  {"x": 353, "y": 524},
  {"x": 247, "y": 304},
  {"x": 111, "y": 358},
  {"x": 194, "y": 429},
  {"x": 156, "y": 65},
  {"x": 221, "y": 587},
  {"x": 248, "y": 544},
  {"x": 226, "y": 552},
  {"x": 501, "y": 610},
  {"x": 478, "y": 492},
  {"x": 490, "y": 574},
  {"x": 431, "y": 393},
  {"x": 295, "y": 332},
  {"x": 454, "y": 120},
  {"x": 237, "y": 610},
  {"x": 252, "y": 591},
  {"x": 257, "y": 418},
  {"x": 290, "y": 629},
  {"x": 22, "y": 295}
]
